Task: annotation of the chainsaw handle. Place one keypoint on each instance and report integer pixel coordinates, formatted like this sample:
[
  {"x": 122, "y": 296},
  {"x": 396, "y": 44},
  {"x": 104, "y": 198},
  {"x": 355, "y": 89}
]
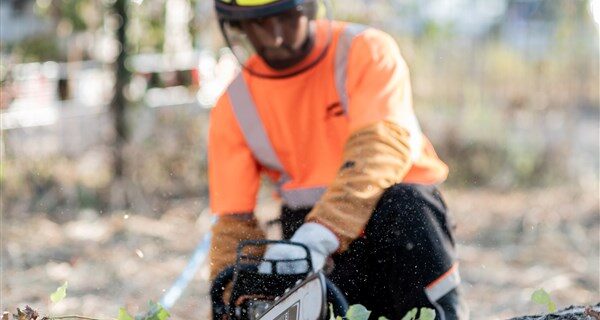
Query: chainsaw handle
[
  {"x": 267, "y": 242},
  {"x": 217, "y": 290},
  {"x": 336, "y": 298}
]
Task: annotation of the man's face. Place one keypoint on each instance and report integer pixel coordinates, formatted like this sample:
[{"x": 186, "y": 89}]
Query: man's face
[{"x": 281, "y": 40}]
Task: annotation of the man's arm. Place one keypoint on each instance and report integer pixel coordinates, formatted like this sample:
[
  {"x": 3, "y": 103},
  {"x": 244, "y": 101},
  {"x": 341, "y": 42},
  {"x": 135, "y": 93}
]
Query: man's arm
[
  {"x": 384, "y": 136},
  {"x": 234, "y": 182}
]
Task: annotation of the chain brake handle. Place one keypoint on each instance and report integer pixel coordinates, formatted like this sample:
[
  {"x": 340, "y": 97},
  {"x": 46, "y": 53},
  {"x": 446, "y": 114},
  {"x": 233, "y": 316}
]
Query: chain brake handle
[{"x": 263, "y": 243}]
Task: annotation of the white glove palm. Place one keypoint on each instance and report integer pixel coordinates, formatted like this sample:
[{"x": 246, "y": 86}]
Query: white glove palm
[{"x": 320, "y": 241}]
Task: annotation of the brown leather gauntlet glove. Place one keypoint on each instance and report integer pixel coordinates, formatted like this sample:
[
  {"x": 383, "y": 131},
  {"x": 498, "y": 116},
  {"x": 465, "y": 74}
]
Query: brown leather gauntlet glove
[
  {"x": 227, "y": 233},
  {"x": 375, "y": 158}
]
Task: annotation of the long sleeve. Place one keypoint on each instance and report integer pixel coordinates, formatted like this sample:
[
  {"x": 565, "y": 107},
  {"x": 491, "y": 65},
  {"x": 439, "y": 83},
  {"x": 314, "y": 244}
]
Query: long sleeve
[
  {"x": 233, "y": 186},
  {"x": 233, "y": 173}
]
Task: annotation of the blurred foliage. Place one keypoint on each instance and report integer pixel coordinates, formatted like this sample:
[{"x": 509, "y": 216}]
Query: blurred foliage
[
  {"x": 504, "y": 106},
  {"x": 506, "y": 109},
  {"x": 146, "y": 32},
  {"x": 166, "y": 157},
  {"x": 165, "y": 162},
  {"x": 38, "y": 48},
  {"x": 54, "y": 184},
  {"x": 72, "y": 18}
]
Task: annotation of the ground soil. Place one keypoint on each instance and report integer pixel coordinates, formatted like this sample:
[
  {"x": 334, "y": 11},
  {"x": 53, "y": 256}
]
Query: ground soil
[{"x": 510, "y": 244}]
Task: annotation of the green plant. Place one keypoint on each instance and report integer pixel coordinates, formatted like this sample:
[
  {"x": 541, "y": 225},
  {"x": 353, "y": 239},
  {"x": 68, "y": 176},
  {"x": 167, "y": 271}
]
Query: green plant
[
  {"x": 359, "y": 312},
  {"x": 60, "y": 293},
  {"x": 424, "y": 314},
  {"x": 540, "y": 296},
  {"x": 155, "y": 311}
]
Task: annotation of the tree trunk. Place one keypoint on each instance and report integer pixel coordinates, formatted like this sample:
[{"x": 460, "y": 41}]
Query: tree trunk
[{"x": 118, "y": 107}]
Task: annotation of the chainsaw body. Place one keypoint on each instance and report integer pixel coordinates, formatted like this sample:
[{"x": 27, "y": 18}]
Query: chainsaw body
[{"x": 257, "y": 295}]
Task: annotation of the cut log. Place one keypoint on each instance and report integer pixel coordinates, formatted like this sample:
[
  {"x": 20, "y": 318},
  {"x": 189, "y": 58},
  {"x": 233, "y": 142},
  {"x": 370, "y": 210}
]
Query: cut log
[{"x": 570, "y": 313}]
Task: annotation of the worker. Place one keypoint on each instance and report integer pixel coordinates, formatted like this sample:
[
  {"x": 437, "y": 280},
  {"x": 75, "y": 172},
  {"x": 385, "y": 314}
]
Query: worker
[{"x": 324, "y": 109}]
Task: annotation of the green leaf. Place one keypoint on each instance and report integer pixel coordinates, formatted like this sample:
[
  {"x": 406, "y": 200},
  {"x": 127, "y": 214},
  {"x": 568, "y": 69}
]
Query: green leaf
[
  {"x": 357, "y": 312},
  {"x": 382, "y": 318},
  {"x": 162, "y": 314},
  {"x": 427, "y": 314},
  {"x": 331, "y": 314},
  {"x": 60, "y": 293},
  {"x": 124, "y": 315},
  {"x": 540, "y": 296},
  {"x": 410, "y": 315}
]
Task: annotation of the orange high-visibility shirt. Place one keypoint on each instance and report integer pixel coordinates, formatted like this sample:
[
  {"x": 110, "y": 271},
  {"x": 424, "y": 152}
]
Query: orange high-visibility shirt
[{"x": 306, "y": 124}]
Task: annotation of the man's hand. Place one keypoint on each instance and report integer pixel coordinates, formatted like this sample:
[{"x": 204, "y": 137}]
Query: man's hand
[
  {"x": 320, "y": 241},
  {"x": 227, "y": 233}
]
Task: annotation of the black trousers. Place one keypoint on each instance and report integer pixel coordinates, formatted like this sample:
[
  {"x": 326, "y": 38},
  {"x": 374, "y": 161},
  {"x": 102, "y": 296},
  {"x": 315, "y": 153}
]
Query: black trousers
[{"x": 405, "y": 259}]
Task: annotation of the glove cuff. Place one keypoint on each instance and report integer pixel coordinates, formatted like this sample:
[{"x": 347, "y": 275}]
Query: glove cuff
[{"x": 317, "y": 237}]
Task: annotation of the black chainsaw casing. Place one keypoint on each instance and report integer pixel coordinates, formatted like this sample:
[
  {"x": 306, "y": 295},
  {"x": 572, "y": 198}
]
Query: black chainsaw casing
[{"x": 253, "y": 292}]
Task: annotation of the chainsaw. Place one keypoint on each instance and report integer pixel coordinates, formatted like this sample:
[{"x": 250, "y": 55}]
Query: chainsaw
[{"x": 273, "y": 296}]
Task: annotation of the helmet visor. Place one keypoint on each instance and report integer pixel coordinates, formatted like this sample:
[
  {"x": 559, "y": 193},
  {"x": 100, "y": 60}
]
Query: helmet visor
[{"x": 282, "y": 44}]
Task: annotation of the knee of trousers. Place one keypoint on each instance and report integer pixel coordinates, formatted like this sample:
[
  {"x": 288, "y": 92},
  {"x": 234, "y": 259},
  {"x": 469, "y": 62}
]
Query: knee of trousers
[{"x": 406, "y": 211}]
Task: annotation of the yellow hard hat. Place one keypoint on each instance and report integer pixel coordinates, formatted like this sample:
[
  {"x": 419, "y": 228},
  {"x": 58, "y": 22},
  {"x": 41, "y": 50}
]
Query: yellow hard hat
[
  {"x": 252, "y": 9},
  {"x": 250, "y": 3}
]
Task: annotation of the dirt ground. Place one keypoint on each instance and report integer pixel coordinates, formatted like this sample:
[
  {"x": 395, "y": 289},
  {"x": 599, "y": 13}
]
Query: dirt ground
[{"x": 510, "y": 244}]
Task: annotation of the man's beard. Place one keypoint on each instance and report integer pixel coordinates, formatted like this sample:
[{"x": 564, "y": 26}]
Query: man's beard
[{"x": 288, "y": 55}]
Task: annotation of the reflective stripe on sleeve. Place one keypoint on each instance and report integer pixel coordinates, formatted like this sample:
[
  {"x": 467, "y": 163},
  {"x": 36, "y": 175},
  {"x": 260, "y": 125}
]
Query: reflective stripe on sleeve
[
  {"x": 254, "y": 131},
  {"x": 341, "y": 60},
  {"x": 302, "y": 197},
  {"x": 342, "y": 53},
  {"x": 444, "y": 284}
]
